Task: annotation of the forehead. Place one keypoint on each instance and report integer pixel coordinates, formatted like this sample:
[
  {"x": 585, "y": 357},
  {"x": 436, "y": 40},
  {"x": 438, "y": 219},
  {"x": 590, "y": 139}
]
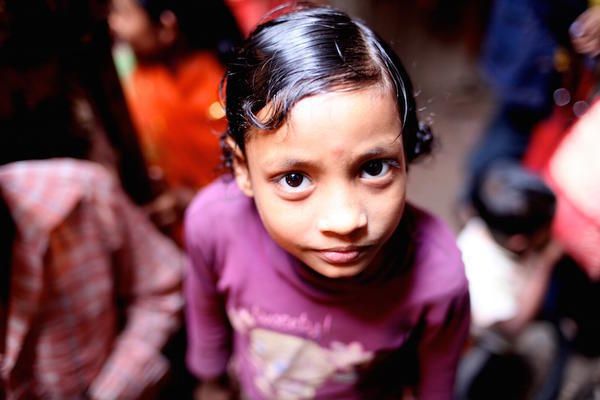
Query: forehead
[
  {"x": 334, "y": 124},
  {"x": 325, "y": 107}
]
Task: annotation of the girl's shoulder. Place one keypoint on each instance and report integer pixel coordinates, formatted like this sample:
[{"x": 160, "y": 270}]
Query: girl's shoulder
[
  {"x": 216, "y": 196},
  {"x": 438, "y": 265},
  {"x": 432, "y": 231},
  {"x": 218, "y": 209}
]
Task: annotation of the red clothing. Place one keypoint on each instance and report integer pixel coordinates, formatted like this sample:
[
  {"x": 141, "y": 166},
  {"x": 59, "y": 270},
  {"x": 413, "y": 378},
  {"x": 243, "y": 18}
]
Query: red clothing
[
  {"x": 179, "y": 119},
  {"x": 95, "y": 290},
  {"x": 249, "y": 13},
  {"x": 574, "y": 174}
]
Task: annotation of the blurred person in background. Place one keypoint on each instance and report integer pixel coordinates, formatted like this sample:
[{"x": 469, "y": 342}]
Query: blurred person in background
[
  {"x": 90, "y": 292},
  {"x": 172, "y": 92},
  {"x": 531, "y": 50},
  {"x": 37, "y": 115},
  {"x": 573, "y": 288},
  {"x": 59, "y": 93},
  {"x": 573, "y": 172},
  {"x": 509, "y": 260}
]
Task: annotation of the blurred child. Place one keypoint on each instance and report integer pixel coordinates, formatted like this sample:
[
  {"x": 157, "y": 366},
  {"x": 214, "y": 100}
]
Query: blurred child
[
  {"x": 173, "y": 91},
  {"x": 311, "y": 273},
  {"x": 508, "y": 256},
  {"x": 90, "y": 291},
  {"x": 506, "y": 248}
]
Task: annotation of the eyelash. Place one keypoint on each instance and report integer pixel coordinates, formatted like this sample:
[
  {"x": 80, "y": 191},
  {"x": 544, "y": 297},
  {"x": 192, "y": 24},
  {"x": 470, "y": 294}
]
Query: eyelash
[
  {"x": 284, "y": 183},
  {"x": 386, "y": 166}
]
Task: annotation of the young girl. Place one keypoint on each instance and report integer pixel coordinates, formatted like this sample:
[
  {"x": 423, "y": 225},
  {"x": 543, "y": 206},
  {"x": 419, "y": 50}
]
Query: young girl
[{"x": 311, "y": 277}]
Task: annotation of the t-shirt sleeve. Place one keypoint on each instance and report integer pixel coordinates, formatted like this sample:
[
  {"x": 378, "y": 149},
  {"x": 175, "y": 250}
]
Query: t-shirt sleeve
[
  {"x": 491, "y": 281},
  {"x": 445, "y": 332},
  {"x": 491, "y": 297},
  {"x": 209, "y": 332}
]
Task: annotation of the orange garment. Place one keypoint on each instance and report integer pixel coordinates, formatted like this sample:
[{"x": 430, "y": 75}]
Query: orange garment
[{"x": 179, "y": 118}]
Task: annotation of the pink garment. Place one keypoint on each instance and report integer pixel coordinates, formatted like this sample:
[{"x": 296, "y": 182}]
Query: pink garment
[
  {"x": 574, "y": 174},
  {"x": 293, "y": 333},
  {"x": 85, "y": 261}
]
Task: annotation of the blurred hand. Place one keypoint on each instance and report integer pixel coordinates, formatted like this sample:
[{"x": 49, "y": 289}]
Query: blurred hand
[
  {"x": 549, "y": 255},
  {"x": 168, "y": 208},
  {"x": 553, "y": 251},
  {"x": 585, "y": 32}
]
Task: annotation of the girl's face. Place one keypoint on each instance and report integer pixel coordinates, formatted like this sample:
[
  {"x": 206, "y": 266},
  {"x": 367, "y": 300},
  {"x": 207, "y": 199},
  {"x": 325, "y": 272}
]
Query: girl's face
[{"x": 330, "y": 184}]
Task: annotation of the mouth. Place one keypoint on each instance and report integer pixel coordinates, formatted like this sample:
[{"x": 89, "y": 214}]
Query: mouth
[{"x": 343, "y": 255}]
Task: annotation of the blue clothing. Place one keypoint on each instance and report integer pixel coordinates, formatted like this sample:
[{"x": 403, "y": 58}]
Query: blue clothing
[{"x": 518, "y": 55}]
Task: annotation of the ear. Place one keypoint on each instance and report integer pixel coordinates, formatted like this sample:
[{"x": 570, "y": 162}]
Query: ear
[
  {"x": 240, "y": 168},
  {"x": 169, "y": 28}
]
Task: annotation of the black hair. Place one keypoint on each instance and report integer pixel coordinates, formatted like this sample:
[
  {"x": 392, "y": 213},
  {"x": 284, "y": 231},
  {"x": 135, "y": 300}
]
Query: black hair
[
  {"x": 309, "y": 50},
  {"x": 20, "y": 45},
  {"x": 206, "y": 24},
  {"x": 512, "y": 200},
  {"x": 47, "y": 127}
]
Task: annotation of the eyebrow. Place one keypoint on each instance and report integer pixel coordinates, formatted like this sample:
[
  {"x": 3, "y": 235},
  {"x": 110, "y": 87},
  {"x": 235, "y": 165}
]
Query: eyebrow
[
  {"x": 302, "y": 164},
  {"x": 375, "y": 152},
  {"x": 292, "y": 163},
  {"x": 379, "y": 151}
]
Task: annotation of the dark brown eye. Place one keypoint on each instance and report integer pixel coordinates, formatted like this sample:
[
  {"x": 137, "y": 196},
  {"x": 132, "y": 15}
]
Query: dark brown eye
[
  {"x": 294, "y": 180},
  {"x": 373, "y": 167}
]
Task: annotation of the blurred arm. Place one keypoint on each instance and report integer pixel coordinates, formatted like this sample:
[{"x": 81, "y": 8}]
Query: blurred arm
[
  {"x": 209, "y": 330},
  {"x": 148, "y": 271}
]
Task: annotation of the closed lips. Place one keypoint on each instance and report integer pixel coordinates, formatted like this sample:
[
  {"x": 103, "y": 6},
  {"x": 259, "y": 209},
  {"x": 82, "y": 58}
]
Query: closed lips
[{"x": 342, "y": 255}]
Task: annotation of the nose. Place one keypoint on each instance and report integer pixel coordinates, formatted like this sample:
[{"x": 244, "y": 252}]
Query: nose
[{"x": 341, "y": 214}]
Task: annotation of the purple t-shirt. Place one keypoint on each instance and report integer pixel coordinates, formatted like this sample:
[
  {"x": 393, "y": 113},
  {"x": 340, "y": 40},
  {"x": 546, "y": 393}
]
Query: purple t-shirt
[{"x": 292, "y": 333}]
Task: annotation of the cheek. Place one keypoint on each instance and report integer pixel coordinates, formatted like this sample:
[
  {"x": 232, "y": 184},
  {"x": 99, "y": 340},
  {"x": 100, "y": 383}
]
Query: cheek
[
  {"x": 288, "y": 223},
  {"x": 283, "y": 219},
  {"x": 385, "y": 210}
]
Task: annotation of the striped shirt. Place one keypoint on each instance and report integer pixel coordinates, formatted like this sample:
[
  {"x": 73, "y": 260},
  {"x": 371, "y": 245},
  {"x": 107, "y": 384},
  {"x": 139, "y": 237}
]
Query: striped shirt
[{"x": 95, "y": 290}]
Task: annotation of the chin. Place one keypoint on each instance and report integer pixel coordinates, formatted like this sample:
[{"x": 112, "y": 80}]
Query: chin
[{"x": 332, "y": 271}]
